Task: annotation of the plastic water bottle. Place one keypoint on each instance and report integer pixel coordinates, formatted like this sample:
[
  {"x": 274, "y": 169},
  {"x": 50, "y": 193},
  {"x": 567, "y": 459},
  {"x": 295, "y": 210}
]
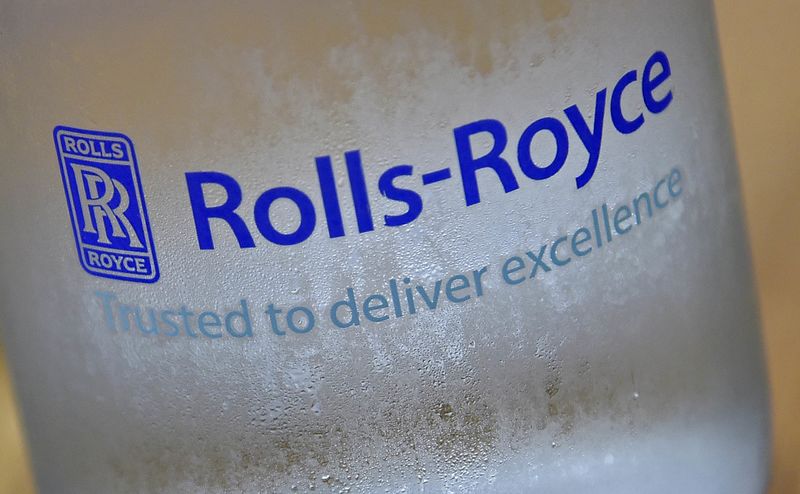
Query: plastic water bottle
[{"x": 360, "y": 247}]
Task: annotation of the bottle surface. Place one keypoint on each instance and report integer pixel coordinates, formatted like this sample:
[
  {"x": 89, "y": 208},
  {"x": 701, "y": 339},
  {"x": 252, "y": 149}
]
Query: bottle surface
[{"x": 460, "y": 247}]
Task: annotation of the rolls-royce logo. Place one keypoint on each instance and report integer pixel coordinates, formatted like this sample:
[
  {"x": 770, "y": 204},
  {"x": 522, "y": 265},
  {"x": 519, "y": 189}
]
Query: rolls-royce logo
[{"x": 106, "y": 204}]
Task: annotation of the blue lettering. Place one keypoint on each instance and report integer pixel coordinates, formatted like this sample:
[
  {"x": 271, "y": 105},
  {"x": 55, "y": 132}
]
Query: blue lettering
[
  {"x": 358, "y": 187},
  {"x": 390, "y": 191},
  {"x": 508, "y": 270},
  {"x": 244, "y": 316},
  {"x": 469, "y": 164},
  {"x": 591, "y": 139},
  {"x": 651, "y": 82},
  {"x": 526, "y": 163},
  {"x": 308, "y": 218},
  {"x": 330, "y": 198},
  {"x": 589, "y": 128},
  {"x": 622, "y": 124},
  {"x": 226, "y": 211},
  {"x": 304, "y": 324},
  {"x": 554, "y": 252},
  {"x": 350, "y": 305},
  {"x": 208, "y": 320}
]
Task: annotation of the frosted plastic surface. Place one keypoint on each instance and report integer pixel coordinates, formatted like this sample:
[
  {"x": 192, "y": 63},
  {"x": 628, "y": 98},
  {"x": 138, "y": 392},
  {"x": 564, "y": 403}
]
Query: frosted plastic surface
[{"x": 637, "y": 369}]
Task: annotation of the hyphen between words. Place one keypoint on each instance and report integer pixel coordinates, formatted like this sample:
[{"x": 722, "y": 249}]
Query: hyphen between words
[
  {"x": 401, "y": 297},
  {"x": 394, "y": 182}
]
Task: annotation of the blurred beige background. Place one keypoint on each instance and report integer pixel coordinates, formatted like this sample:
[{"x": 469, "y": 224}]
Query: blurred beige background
[{"x": 760, "y": 46}]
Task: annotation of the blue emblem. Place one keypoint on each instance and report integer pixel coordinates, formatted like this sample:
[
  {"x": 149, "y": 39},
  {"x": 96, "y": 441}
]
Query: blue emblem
[{"x": 106, "y": 204}]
